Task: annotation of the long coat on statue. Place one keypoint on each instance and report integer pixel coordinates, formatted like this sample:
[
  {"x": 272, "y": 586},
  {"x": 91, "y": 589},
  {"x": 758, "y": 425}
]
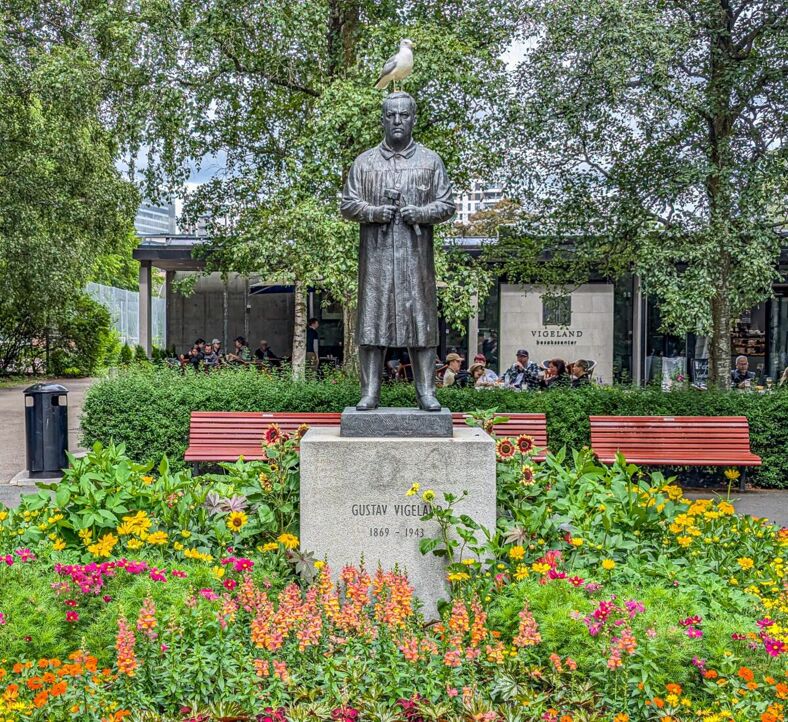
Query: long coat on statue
[{"x": 397, "y": 303}]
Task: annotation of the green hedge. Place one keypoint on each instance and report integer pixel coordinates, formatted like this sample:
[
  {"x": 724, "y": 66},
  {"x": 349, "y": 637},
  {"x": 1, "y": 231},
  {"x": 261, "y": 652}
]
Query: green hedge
[{"x": 149, "y": 410}]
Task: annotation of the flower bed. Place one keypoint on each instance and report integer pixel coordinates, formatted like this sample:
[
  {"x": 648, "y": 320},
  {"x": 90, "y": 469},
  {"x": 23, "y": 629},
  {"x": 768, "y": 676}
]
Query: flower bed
[{"x": 604, "y": 595}]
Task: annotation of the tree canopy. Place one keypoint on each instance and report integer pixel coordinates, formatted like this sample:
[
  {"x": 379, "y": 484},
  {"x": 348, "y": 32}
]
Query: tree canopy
[
  {"x": 63, "y": 203},
  {"x": 654, "y": 137},
  {"x": 283, "y": 93}
]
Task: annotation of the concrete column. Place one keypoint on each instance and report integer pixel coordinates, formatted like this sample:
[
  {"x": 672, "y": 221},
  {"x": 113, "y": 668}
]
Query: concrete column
[
  {"x": 473, "y": 329},
  {"x": 145, "y": 327},
  {"x": 637, "y": 331},
  {"x": 169, "y": 279}
]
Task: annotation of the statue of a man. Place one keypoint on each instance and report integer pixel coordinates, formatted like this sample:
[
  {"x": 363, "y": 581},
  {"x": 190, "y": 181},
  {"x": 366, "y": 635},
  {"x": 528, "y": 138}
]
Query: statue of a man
[{"x": 397, "y": 191}]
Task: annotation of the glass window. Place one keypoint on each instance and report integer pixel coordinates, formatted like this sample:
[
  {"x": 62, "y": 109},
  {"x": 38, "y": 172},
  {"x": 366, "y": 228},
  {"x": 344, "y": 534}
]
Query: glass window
[{"x": 556, "y": 310}]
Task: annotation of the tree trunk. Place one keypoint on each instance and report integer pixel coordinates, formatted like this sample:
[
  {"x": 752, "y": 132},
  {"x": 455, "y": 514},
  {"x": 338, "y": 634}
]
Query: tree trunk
[
  {"x": 299, "y": 332},
  {"x": 720, "y": 343},
  {"x": 350, "y": 353}
]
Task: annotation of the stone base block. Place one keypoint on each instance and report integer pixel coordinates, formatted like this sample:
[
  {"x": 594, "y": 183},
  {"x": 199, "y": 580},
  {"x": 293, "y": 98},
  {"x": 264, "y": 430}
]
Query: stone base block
[
  {"x": 392, "y": 421},
  {"x": 354, "y": 503}
]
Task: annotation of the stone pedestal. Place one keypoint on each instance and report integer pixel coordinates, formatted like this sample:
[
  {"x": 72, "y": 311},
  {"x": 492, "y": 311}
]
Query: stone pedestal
[
  {"x": 393, "y": 421},
  {"x": 354, "y": 503}
]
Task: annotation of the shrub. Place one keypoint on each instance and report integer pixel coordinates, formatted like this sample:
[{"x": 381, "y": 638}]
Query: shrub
[
  {"x": 149, "y": 410},
  {"x": 126, "y": 355},
  {"x": 83, "y": 340}
]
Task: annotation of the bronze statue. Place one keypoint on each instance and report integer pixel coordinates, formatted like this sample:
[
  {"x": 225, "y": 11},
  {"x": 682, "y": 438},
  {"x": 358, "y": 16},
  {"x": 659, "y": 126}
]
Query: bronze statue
[{"x": 397, "y": 191}]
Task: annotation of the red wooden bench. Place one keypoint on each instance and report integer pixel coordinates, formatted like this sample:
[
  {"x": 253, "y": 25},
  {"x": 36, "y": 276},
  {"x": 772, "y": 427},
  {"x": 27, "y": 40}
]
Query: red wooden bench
[
  {"x": 226, "y": 435},
  {"x": 674, "y": 440}
]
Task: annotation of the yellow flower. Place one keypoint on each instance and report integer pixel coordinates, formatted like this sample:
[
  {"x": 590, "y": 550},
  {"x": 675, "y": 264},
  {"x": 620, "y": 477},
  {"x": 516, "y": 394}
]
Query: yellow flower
[
  {"x": 428, "y": 496},
  {"x": 732, "y": 474},
  {"x": 177, "y": 546},
  {"x": 147, "y": 480},
  {"x": 104, "y": 546},
  {"x": 3, "y": 515},
  {"x": 59, "y": 545},
  {"x": 185, "y": 533},
  {"x": 521, "y": 573},
  {"x": 157, "y": 538},
  {"x": 459, "y": 577},
  {"x": 319, "y": 564},
  {"x": 270, "y": 547},
  {"x": 126, "y": 529},
  {"x": 218, "y": 572},
  {"x": 577, "y": 542},
  {"x": 516, "y": 552},
  {"x": 236, "y": 521},
  {"x": 86, "y": 535},
  {"x": 725, "y": 508},
  {"x": 745, "y": 563},
  {"x": 608, "y": 564},
  {"x": 684, "y": 541},
  {"x": 138, "y": 523},
  {"x": 469, "y": 562},
  {"x": 195, "y": 554},
  {"x": 540, "y": 567},
  {"x": 135, "y": 544},
  {"x": 288, "y": 541},
  {"x": 414, "y": 489}
]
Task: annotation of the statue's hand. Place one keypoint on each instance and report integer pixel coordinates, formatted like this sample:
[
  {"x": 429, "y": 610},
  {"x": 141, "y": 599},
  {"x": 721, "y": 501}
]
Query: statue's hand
[
  {"x": 383, "y": 214},
  {"x": 411, "y": 214}
]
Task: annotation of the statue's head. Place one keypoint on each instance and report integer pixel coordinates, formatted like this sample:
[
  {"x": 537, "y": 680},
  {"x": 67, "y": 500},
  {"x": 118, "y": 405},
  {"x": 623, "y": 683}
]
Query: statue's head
[{"x": 399, "y": 116}]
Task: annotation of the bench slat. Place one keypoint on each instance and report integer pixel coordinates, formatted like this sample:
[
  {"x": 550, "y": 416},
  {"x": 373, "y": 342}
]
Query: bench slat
[
  {"x": 674, "y": 440},
  {"x": 226, "y": 435}
]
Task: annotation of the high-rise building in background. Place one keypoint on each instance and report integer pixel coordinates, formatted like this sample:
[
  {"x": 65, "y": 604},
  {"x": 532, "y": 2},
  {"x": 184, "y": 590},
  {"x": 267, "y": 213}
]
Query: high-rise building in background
[
  {"x": 479, "y": 198},
  {"x": 155, "y": 219}
]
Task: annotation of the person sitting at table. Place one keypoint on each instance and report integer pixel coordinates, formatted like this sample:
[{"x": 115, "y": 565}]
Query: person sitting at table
[
  {"x": 555, "y": 375},
  {"x": 489, "y": 375},
  {"x": 452, "y": 375},
  {"x": 211, "y": 357},
  {"x": 579, "y": 373},
  {"x": 265, "y": 355},
  {"x": 242, "y": 355},
  {"x": 523, "y": 374},
  {"x": 741, "y": 376},
  {"x": 478, "y": 377}
]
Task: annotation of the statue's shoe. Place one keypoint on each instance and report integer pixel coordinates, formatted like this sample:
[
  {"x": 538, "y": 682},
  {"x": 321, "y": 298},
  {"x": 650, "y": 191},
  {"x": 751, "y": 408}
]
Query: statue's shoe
[
  {"x": 367, "y": 403},
  {"x": 429, "y": 403}
]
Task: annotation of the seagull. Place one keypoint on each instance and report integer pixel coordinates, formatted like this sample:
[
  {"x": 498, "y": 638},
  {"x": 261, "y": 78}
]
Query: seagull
[{"x": 398, "y": 66}]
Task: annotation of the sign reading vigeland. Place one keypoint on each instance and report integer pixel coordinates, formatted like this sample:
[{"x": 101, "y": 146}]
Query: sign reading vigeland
[{"x": 576, "y": 325}]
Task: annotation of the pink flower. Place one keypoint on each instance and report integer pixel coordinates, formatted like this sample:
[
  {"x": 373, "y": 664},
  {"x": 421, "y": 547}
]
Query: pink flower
[
  {"x": 452, "y": 691},
  {"x": 634, "y": 608},
  {"x": 157, "y": 575},
  {"x": 106, "y": 598},
  {"x": 72, "y": 617},
  {"x": 576, "y": 581},
  {"x": 25, "y": 555},
  {"x": 2, "y": 619},
  {"x": 765, "y": 623},
  {"x": 694, "y": 633},
  {"x": 71, "y": 603},
  {"x": 178, "y": 573},
  {"x": 690, "y": 621},
  {"x": 208, "y": 594},
  {"x": 773, "y": 647},
  {"x": 229, "y": 584},
  {"x": 8, "y": 559}
]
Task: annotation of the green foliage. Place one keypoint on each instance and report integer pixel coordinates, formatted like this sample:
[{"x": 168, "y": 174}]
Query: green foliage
[
  {"x": 84, "y": 341},
  {"x": 149, "y": 411},
  {"x": 62, "y": 201},
  {"x": 126, "y": 355},
  {"x": 652, "y": 136},
  {"x": 140, "y": 356}
]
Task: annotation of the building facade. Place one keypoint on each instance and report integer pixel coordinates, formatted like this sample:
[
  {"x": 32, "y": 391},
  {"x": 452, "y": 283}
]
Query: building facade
[
  {"x": 157, "y": 220},
  {"x": 612, "y": 324},
  {"x": 479, "y": 198}
]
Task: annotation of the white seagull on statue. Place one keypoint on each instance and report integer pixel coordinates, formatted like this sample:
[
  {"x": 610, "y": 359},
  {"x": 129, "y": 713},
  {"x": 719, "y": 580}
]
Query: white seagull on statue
[{"x": 398, "y": 66}]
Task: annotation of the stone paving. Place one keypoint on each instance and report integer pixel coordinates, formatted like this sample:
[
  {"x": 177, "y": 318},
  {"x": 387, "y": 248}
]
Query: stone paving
[{"x": 12, "y": 431}]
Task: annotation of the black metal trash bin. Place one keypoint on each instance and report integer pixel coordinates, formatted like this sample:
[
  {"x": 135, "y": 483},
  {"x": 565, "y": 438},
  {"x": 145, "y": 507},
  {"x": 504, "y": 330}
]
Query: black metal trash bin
[{"x": 46, "y": 429}]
